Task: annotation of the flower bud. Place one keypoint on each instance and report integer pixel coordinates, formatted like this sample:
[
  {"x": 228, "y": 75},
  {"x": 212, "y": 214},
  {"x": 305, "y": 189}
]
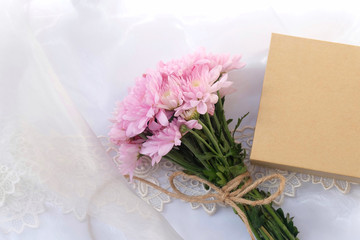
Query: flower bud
[
  {"x": 190, "y": 114},
  {"x": 183, "y": 129}
]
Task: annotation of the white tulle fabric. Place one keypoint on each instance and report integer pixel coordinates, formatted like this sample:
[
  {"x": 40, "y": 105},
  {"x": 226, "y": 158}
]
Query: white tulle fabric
[{"x": 49, "y": 157}]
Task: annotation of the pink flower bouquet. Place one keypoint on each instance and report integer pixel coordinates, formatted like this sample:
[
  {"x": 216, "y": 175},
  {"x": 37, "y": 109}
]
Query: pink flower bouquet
[{"x": 176, "y": 112}]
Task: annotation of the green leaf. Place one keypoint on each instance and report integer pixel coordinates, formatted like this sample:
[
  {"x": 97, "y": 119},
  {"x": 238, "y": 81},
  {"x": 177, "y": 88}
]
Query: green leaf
[
  {"x": 188, "y": 172},
  {"x": 256, "y": 218},
  {"x": 220, "y": 168},
  {"x": 229, "y": 121},
  {"x": 211, "y": 175},
  {"x": 237, "y": 170},
  {"x": 206, "y": 156},
  {"x": 288, "y": 221},
  {"x": 222, "y": 181},
  {"x": 238, "y": 124},
  {"x": 224, "y": 142},
  {"x": 235, "y": 151}
]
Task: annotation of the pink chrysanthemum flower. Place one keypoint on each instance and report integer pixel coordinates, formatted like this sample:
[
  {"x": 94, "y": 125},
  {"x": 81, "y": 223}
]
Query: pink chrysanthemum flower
[
  {"x": 129, "y": 158},
  {"x": 117, "y": 133},
  {"x": 200, "y": 89},
  {"x": 161, "y": 143},
  {"x": 174, "y": 67},
  {"x": 176, "y": 93},
  {"x": 171, "y": 95},
  {"x": 226, "y": 62},
  {"x": 184, "y": 65},
  {"x": 139, "y": 107}
]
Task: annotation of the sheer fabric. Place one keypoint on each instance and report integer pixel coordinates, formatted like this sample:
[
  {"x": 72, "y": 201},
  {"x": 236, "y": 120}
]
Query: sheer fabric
[{"x": 49, "y": 157}]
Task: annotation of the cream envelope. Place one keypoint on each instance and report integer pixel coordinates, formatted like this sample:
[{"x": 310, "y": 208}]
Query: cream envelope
[{"x": 309, "y": 115}]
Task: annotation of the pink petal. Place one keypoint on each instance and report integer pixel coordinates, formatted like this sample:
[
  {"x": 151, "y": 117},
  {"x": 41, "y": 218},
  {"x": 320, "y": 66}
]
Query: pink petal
[
  {"x": 155, "y": 159},
  {"x": 201, "y": 108},
  {"x": 150, "y": 113},
  {"x": 165, "y": 149},
  {"x": 178, "y": 111},
  {"x": 154, "y": 126},
  {"x": 215, "y": 73},
  {"x": 169, "y": 114},
  {"x": 142, "y": 122},
  {"x": 213, "y": 98},
  {"x": 202, "y": 61},
  {"x": 226, "y": 84},
  {"x": 177, "y": 142},
  {"x": 161, "y": 117},
  {"x": 211, "y": 109},
  {"x": 199, "y": 95},
  {"x": 189, "y": 94},
  {"x": 193, "y": 124},
  {"x": 227, "y": 91},
  {"x": 131, "y": 130},
  {"x": 220, "y": 84},
  {"x": 194, "y": 103},
  {"x": 224, "y": 77}
]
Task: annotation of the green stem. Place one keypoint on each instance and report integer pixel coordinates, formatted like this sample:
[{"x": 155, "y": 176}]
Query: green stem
[
  {"x": 276, "y": 218},
  {"x": 215, "y": 137},
  {"x": 223, "y": 144},
  {"x": 203, "y": 141},
  {"x": 207, "y": 119},
  {"x": 211, "y": 137},
  {"x": 220, "y": 133},
  {"x": 279, "y": 222},
  {"x": 201, "y": 145},
  {"x": 194, "y": 172},
  {"x": 265, "y": 233},
  {"x": 217, "y": 123},
  {"x": 179, "y": 159},
  {"x": 276, "y": 231},
  {"x": 143, "y": 136},
  {"x": 223, "y": 119},
  {"x": 256, "y": 234},
  {"x": 214, "y": 142},
  {"x": 195, "y": 151}
]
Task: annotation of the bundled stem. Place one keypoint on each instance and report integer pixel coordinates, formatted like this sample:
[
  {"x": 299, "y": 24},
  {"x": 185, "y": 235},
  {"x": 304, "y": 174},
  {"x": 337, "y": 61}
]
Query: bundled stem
[{"x": 215, "y": 156}]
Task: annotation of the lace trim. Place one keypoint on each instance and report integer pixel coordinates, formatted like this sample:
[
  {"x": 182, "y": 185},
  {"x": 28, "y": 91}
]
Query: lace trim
[
  {"x": 159, "y": 174},
  {"x": 294, "y": 180},
  {"x": 22, "y": 198},
  {"x": 22, "y": 190}
]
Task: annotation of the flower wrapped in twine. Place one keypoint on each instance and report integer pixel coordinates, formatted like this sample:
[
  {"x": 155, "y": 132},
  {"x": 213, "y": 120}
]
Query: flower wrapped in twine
[{"x": 228, "y": 194}]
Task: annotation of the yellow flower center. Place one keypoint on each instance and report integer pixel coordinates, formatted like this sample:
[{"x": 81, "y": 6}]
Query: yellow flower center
[
  {"x": 196, "y": 83},
  {"x": 167, "y": 93}
]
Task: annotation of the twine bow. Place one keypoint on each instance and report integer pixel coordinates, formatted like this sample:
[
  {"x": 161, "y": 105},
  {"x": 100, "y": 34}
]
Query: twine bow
[{"x": 228, "y": 194}]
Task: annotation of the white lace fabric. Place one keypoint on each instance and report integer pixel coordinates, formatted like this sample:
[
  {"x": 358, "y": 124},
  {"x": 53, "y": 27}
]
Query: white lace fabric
[
  {"x": 49, "y": 157},
  {"x": 31, "y": 180},
  {"x": 159, "y": 174}
]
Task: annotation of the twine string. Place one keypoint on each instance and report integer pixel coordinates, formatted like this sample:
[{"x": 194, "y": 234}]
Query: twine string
[{"x": 228, "y": 194}]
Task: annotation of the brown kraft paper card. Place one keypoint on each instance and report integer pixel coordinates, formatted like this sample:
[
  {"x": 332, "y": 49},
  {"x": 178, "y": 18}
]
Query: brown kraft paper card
[{"x": 309, "y": 115}]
